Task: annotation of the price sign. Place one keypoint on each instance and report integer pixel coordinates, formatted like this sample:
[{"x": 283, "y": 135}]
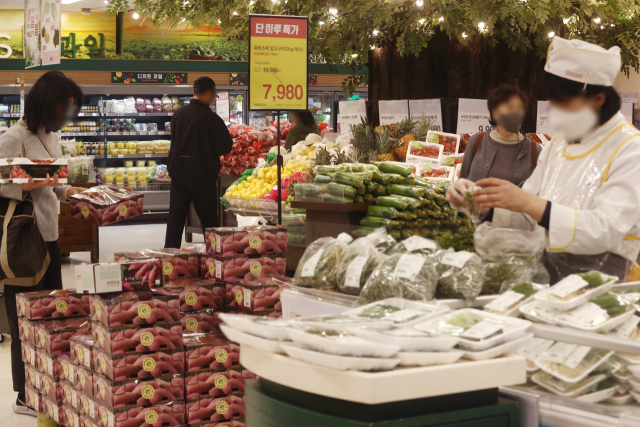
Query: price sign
[
  {"x": 351, "y": 114},
  {"x": 430, "y": 108},
  {"x": 222, "y": 106},
  {"x": 473, "y": 116},
  {"x": 627, "y": 111},
  {"x": 542, "y": 124},
  {"x": 278, "y": 62},
  {"x": 393, "y": 111}
]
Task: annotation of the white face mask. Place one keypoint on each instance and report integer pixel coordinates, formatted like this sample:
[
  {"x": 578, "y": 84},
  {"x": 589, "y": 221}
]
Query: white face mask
[{"x": 572, "y": 124}]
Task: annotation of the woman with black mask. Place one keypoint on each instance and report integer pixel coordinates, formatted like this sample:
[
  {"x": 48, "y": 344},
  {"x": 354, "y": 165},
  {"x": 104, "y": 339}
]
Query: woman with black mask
[
  {"x": 52, "y": 101},
  {"x": 503, "y": 153}
]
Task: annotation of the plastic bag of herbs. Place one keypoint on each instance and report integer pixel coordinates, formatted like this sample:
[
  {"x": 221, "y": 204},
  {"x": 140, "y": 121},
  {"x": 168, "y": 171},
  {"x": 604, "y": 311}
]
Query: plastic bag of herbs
[
  {"x": 318, "y": 266},
  {"x": 356, "y": 264},
  {"x": 410, "y": 276},
  {"x": 491, "y": 241},
  {"x": 502, "y": 272},
  {"x": 461, "y": 276}
]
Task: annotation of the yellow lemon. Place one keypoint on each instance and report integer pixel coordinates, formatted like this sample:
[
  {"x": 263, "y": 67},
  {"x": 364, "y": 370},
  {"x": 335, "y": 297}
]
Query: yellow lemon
[
  {"x": 250, "y": 179},
  {"x": 233, "y": 188}
]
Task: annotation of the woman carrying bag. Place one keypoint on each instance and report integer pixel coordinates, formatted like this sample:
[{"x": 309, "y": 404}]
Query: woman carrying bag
[{"x": 52, "y": 101}]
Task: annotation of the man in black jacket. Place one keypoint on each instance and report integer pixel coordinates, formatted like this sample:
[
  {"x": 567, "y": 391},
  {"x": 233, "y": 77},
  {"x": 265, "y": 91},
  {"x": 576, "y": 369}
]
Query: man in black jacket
[{"x": 198, "y": 138}]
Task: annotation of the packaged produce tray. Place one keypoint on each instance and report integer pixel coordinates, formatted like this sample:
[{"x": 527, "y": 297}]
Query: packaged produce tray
[
  {"x": 145, "y": 392},
  {"x": 106, "y": 204},
  {"x": 214, "y": 384},
  {"x": 175, "y": 264},
  {"x": 198, "y": 294},
  {"x": 213, "y": 352},
  {"x": 58, "y": 304},
  {"x": 252, "y": 240},
  {"x": 258, "y": 294},
  {"x": 197, "y": 322},
  {"x": 246, "y": 267},
  {"x": 53, "y": 336},
  {"x": 137, "y": 339},
  {"x": 139, "y": 366},
  {"x": 135, "y": 308},
  {"x": 19, "y": 170}
]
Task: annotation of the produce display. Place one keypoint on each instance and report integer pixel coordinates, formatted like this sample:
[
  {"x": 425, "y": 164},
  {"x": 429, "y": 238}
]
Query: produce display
[
  {"x": 106, "y": 204},
  {"x": 51, "y": 304},
  {"x": 249, "y": 146}
]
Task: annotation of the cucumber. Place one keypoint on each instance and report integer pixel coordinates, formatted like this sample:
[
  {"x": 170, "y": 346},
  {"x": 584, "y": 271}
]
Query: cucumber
[
  {"x": 409, "y": 180},
  {"x": 377, "y": 175},
  {"x": 382, "y": 211},
  {"x": 400, "y": 169},
  {"x": 322, "y": 179},
  {"x": 393, "y": 202},
  {"x": 330, "y": 198},
  {"x": 396, "y": 234},
  {"x": 341, "y": 190},
  {"x": 368, "y": 198},
  {"x": 409, "y": 191},
  {"x": 352, "y": 179},
  {"x": 327, "y": 169},
  {"x": 372, "y": 221},
  {"x": 372, "y": 188},
  {"x": 369, "y": 167},
  {"x": 364, "y": 231},
  {"x": 391, "y": 178},
  {"x": 413, "y": 203},
  {"x": 410, "y": 215},
  {"x": 358, "y": 199},
  {"x": 405, "y": 233}
]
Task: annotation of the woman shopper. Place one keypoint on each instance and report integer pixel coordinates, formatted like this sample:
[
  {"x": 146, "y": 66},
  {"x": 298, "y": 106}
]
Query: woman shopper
[
  {"x": 586, "y": 189},
  {"x": 52, "y": 101},
  {"x": 304, "y": 125},
  {"x": 503, "y": 153}
]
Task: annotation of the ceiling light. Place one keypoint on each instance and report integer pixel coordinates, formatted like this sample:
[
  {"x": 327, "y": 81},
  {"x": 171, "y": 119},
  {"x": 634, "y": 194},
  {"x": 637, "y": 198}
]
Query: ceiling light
[
  {"x": 464, "y": 35},
  {"x": 551, "y": 34},
  {"x": 481, "y": 25},
  {"x": 419, "y": 3},
  {"x": 85, "y": 11},
  {"x": 135, "y": 15},
  {"x": 69, "y": 1},
  {"x": 333, "y": 11},
  {"x": 441, "y": 19},
  {"x": 596, "y": 20},
  {"x": 421, "y": 21},
  {"x": 321, "y": 23},
  {"x": 375, "y": 32}
]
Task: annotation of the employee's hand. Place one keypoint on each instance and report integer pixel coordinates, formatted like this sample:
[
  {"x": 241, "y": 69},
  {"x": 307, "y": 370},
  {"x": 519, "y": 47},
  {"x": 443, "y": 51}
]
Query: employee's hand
[
  {"x": 498, "y": 193},
  {"x": 73, "y": 190},
  {"x": 47, "y": 182}
]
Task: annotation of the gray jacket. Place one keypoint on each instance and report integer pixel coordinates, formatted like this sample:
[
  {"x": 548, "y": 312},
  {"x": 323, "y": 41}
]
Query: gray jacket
[
  {"x": 45, "y": 199},
  {"x": 478, "y": 167}
]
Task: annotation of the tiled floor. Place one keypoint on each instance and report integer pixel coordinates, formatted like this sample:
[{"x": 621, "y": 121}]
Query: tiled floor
[{"x": 112, "y": 239}]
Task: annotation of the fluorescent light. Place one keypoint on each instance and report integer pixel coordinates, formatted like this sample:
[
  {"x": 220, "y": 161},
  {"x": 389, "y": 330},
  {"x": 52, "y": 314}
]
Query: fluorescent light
[
  {"x": 596, "y": 20},
  {"x": 551, "y": 34},
  {"x": 333, "y": 11},
  {"x": 481, "y": 25},
  {"x": 69, "y": 1},
  {"x": 375, "y": 32},
  {"x": 135, "y": 15},
  {"x": 419, "y": 3}
]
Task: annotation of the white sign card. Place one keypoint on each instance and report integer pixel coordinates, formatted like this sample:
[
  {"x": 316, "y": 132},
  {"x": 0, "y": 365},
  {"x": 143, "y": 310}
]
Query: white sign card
[
  {"x": 430, "y": 108},
  {"x": 222, "y": 106},
  {"x": 351, "y": 113},
  {"x": 393, "y": 111},
  {"x": 629, "y": 97},
  {"x": 473, "y": 116},
  {"x": 50, "y": 12},
  {"x": 542, "y": 124},
  {"x": 627, "y": 111}
]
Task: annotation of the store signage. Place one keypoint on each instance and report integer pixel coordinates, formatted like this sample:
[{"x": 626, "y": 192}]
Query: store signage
[
  {"x": 351, "y": 114},
  {"x": 31, "y": 36},
  {"x": 629, "y": 97},
  {"x": 127, "y": 77},
  {"x": 430, "y": 108},
  {"x": 473, "y": 116},
  {"x": 278, "y": 62},
  {"x": 627, "y": 111},
  {"x": 542, "y": 124},
  {"x": 5, "y": 47},
  {"x": 393, "y": 111},
  {"x": 222, "y": 106},
  {"x": 50, "y": 13}
]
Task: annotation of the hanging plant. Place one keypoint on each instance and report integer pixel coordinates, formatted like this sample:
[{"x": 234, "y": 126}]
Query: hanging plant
[{"x": 116, "y": 6}]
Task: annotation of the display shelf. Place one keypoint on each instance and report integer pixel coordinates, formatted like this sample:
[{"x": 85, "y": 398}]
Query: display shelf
[
  {"x": 137, "y": 114},
  {"x": 134, "y": 156},
  {"x": 80, "y": 133},
  {"x": 10, "y": 115},
  {"x": 145, "y": 133},
  {"x": 592, "y": 339},
  {"x": 384, "y": 387},
  {"x": 89, "y": 114}
]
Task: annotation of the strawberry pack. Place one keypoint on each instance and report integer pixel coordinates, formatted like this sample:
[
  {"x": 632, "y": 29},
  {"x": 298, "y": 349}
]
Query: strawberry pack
[
  {"x": 20, "y": 170},
  {"x": 424, "y": 153},
  {"x": 450, "y": 142},
  {"x": 106, "y": 204}
]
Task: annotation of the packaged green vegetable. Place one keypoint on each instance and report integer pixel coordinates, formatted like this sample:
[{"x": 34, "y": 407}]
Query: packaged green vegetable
[
  {"x": 358, "y": 199},
  {"x": 356, "y": 265},
  {"x": 330, "y": 198},
  {"x": 391, "y": 178},
  {"x": 409, "y": 276},
  {"x": 308, "y": 192},
  {"x": 371, "y": 221},
  {"x": 409, "y": 180},
  {"x": 381, "y": 191},
  {"x": 371, "y": 188},
  {"x": 341, "y": 190},
  {"x": 406, "y": 190},
  {"x": 80, "y": 168},
  {"x": 322, "y": 179},
  {"x": 513, "y": 298},
  {"x": 352, "y": 167},
  {"x": 417, "y": 244},
  {"x": 397, "y": 168},
  {"x": 382, "y": 211},
  {"x": 368, "y": 198},
  {"x": 355, "y": 180},
  {"x": 461, "y": 276},
  {"x": 328, "y": 169},
  {"x": 503, "y": 272},
  {"x": 413, "y": 202},
  {"x": 393, "y": 202},
  {"x": 318, "y": 266},
  {"x": 493, "y": 242}
]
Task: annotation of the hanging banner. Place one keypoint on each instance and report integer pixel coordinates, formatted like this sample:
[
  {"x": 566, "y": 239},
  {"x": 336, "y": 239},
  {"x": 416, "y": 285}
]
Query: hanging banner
[
  {"x": 31, "y": 37},
  {"x": 393, "y": 111},
  {"x": 50, "y": 11},
  {"x": 278, "y": 62},
  {"x": 351, "y": 114},
  {"x": 473, "y": 116},
  {"x": 627, "y": 111},
  {"x": 222, "y": 106},
  {"x": 542, "y": 124},
  {"x": 430, "y": 108}
]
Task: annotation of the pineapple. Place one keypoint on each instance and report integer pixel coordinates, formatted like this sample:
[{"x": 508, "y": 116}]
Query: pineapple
[
  {"x": 384, "y": 146},
  {"x": 404, "y": 128},
  {"x": 421, "y": 128},
  {"x": 392, "y": 129},
  {"x": 341, "y": 157},
  {"x": 364, "y": 141},
  {"x": 323, "y": 157}
]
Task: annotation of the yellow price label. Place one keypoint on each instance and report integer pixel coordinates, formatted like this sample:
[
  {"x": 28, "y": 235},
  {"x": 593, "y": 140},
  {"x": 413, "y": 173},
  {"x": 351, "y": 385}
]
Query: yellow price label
[
  {"x": 278, "y": 58},
  {"x": 222, "y": 407},
  {"x": 192, "y": 324}
]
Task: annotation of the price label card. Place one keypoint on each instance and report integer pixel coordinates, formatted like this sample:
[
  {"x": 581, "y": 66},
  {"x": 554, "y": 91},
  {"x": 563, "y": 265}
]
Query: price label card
[
  {"x": 142, "y": 114},
  {"x": 247, "y": 298},
  {"x": 576, "y": 356},
  {"x": 473, "y": 116},
  {"x": 542, "y": 123},
  {"x": 169, "y": 114},
  {"x": 408, "y": 266},
  {"x": 534, "y": 347},
  {"x": 415, "y": 243},
  {"x": 121, "y": 156},
  {"x": 586, "y": 314},
  {"x": 309, "y": 267},
  {"x": 429, "y": 108},
  {"x": 354, "y": 271},
  {"x": 351, "y": 114},
  {"x": 558, "y": 352},
  {"x": 623, "y": 331},
  {"x": 482, "y": 330},
  {"x": 222, "y": 106},
  {"x": 504, "y": 301},
  {"x": 404, "y": 315},
  {"x": 108, "y": 278},
  {"x": 456, "y": 259},
  {"x": 278, "y": 61},
  {"x": 393, "y": 111},
  {"x": 147, "y": 155},
  {"x": 567, "y": 286}
]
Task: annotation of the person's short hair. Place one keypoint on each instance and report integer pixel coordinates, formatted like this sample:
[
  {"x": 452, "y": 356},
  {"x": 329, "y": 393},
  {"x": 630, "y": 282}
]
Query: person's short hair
[
  {"x": 559, "y": 89},
  {"x": 203, "y": 84},
  {"x": 503, "y": 93},
  {"x": 305, "y": 116},
  {"x": 50, "y": 91}
]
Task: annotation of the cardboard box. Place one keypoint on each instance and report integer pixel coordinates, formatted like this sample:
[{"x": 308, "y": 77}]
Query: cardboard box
[
  {"x": 260, "y": 294},
  {"x": 29, "y": 353},
  {"x": 50, "y": 388},
  {"x": 215, "y": 409},
  {"x": 120, "y": 367},
  {"x": 81, "y": 347},
  {"x": 118, "y": 276},
  {"x": 53, "y": 336},
  {"x": 139, "y": 308},
  {"x": 26, "y": 330},
  {"x": 211, "y": 352},
  {"x": 145, "y": 392},
  {"x": 137, "y": 339},
  {"x": 106, "y": 204},
  {"x": 209, "y": 383},
  {"x": 198, "y": 294},
  {"x": 175, "y": 263},
  {"x": 198, "y": 322},
  {"x": 160, "y": 414},
  {"x": 246, "y": 267},
  {"x": 252, "y": 240},
  {"x": 40, "y": 305},
  {"x": 19, "y": 170},
  {"x": 84, "y": 380},
  {"x": 70, "y": 396},
  {"x": 53, "y": 410},
  {"x": 33, "y": 398},
  {"x": 50, "y": 364}
]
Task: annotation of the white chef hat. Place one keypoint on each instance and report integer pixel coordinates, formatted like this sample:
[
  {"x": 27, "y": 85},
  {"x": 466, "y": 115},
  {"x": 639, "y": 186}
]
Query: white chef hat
[{"x": 583, "y": 62}]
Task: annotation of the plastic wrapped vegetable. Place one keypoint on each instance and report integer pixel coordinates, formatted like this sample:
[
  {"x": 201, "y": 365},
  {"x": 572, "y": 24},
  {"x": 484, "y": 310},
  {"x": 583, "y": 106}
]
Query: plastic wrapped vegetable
[
  {"x": 513, "y": 297},
  {"x": 397, "y": 168},
  {"x": 372, "y": 221},
  {"x": 409, "y": 276},
  {"x": 319, "y": 264},
  {"x": 341, "y": 190},
  {"x": 611, "y": 303},
  {"x": 328, "y": 169},
  {"x": 381, "y": 239},
  {"x": 393, "y": 202},
  {"x": 575, "y": 372},
  {"x": 356, "y": 264},
  {"x": 491, "y": 241},
  {"x": 407, "y": 190},
  {"x": 80, "y": 169},
  {"x": 502, "y": 272},
  {"x": 322, "y": 179},
  {"x": 357, "y": 180},
  {"x": 461, "y": 276},
  {"x": 383, "y": 212},
  {"x": 391, "y": 178},
  {"x": 593, "y": 280},
  {"x": 417, "y": 244}
]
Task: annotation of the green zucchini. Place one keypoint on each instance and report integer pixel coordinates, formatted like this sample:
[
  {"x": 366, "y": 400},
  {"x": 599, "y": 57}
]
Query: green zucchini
[
  {"x": 377, "y": 175},
  {"x": 371, "y": 188},
  {"x": 409, "y": 191},
  {"x": 409, "y": 180},
  {"x": 382, "y": 211},
  {"x": 413, "y": 202},
  {"x": 327, "y": 169},
  {"x": 382, "y": 191},
  {"x": 352, "y": 167},
  {"x": 330, "y": 198},
  {"x": 372, "y": 221},
  {"x": 368, "y": 198},
  {"x": 341, "y": 190},
  {"x": 358, "y": 199},
  {"x": 364, "y": 231},
  {"x": 393, "y": 202},
  {"x": 322, "y": 179},
  {"x": 391, "y": 178},
  {"x": 400, "y": 169}
]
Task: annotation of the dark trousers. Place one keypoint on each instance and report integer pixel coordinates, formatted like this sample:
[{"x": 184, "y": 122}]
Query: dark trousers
[
  {"x": 204, "y": 196},
  {"x": 51, "y": 280},
  {"x": 560, "y": 265}
]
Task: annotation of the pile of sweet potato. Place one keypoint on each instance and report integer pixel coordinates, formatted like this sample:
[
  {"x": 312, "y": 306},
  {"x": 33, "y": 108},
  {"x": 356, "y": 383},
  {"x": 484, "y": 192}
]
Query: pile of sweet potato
[
  {"x": 122, "y": 367},
  {"x": 52, "y": 304},
  {"x": 135, "y": 308}
]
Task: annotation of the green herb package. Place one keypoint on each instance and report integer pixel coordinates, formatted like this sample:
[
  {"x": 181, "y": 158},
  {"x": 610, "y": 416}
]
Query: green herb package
[
  {"x": 319, "y": 264},
  {"x": 356, "y": 264},
  {"x": 408, "y": 276},
  {"x": 461, "y": 276}
]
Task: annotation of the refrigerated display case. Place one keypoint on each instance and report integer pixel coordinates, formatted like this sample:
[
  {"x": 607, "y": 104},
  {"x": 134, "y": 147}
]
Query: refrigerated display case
[
  {"x": 339, "y": 96},
  {"x": 263, "y": 119},
  {"x": 237, "y": 106},
  {"x": 321, "y": 106}
]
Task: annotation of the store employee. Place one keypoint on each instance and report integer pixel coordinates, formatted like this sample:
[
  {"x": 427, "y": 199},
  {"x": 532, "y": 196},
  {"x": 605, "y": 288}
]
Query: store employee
[{"x": 586, "y": 188}]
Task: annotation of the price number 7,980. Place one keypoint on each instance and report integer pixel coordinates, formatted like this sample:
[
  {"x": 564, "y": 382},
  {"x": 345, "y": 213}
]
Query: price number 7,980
[{"x": 288, "y": 92}]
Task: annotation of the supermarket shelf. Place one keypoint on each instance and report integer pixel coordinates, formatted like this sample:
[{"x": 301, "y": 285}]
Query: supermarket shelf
[
  {"x": 592, "y": 339},
  {"x": 148, "y": 133},
  {"x": 10, "y": 115},
  {"x": 81, "y": 133},
  {"x": 89, "y": 115},
  {"x": 133, "y": 156},
  {"x": 384, "y": 387},
  {"x": 137, "y": 114}
]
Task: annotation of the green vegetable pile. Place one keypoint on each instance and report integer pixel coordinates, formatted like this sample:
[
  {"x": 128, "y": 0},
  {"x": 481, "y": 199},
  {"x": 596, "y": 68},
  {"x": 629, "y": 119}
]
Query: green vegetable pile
[
  {"x": 594, "y": 279},
  {"x": 343, "y": 183}
]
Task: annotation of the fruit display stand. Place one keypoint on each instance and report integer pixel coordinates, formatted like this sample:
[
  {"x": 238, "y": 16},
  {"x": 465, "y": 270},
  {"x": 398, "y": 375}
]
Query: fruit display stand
[
  {"x": 296, "y": 393},
  {"x": 77, "y": 236}
]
